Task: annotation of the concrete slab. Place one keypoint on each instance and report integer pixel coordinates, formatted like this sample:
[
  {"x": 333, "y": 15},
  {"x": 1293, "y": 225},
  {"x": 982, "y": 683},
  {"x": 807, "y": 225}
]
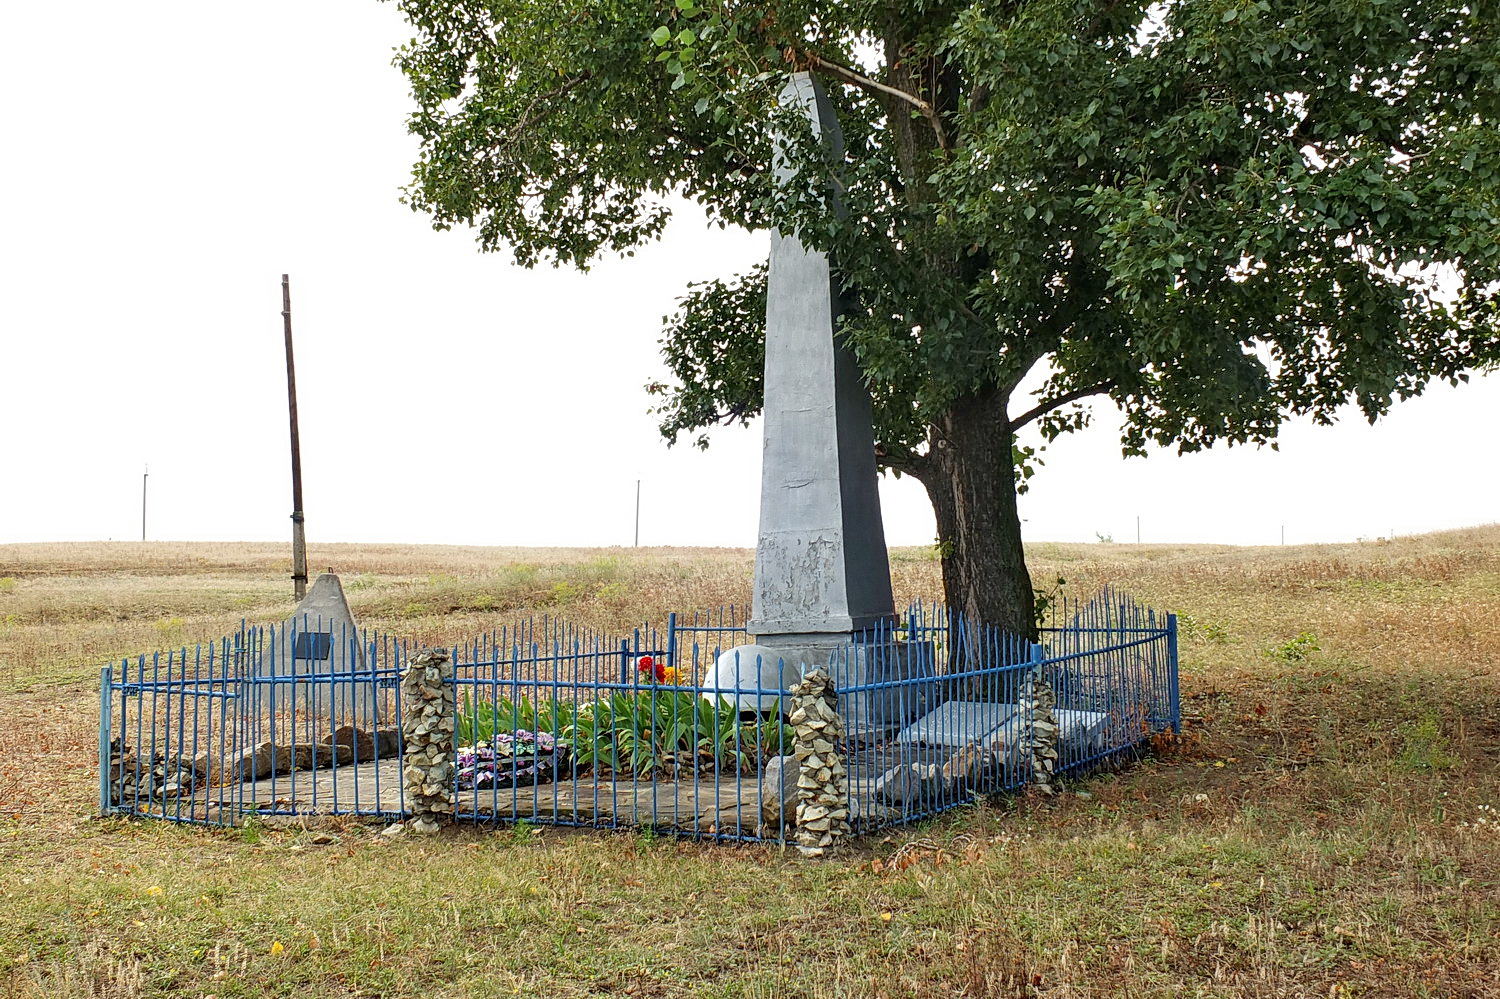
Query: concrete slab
[{"x": 956, "y": 724}]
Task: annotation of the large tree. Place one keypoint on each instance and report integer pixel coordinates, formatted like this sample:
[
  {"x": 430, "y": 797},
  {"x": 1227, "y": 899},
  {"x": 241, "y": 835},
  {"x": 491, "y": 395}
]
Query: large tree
[{"x": 1216, "y": 213}]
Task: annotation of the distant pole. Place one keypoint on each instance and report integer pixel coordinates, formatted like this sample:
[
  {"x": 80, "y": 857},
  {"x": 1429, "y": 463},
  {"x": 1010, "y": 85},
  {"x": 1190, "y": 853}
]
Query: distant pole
[
  {"x": 1138, "y": 529},
  {"x": 1283, "y": 534},
  {"x": 299, "y": 536},
  {"x": 637, "y": 513},
  {"x": 144, "y": 474}
]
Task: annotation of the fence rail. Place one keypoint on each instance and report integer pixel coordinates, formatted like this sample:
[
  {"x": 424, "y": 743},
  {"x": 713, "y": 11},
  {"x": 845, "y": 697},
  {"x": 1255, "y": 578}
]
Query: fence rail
[{"x": 665, "y": 728}]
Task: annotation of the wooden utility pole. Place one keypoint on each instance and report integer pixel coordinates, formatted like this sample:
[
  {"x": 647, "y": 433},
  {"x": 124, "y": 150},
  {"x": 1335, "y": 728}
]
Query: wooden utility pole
[
  {"x": 299, "y": 536},
  {"x": 145, "y": 474}
]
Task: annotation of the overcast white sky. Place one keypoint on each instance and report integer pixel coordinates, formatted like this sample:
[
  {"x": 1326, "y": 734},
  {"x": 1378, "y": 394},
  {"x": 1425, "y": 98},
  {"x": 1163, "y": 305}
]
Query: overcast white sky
[{"x": 168, "y": 160}]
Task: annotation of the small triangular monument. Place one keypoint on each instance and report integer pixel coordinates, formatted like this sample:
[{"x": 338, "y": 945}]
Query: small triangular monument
[{"x": 320, "y": 646}]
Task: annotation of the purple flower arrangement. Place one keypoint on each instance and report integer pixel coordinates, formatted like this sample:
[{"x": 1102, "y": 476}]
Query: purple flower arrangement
[{"x": 509, "y": 759}]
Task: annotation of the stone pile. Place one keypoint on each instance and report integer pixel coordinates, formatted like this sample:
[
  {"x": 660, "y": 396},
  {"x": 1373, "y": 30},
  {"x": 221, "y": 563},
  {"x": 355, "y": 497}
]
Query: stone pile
[
  {"x": 346, "y": 744},
  {"x": 822, "y": 781},
  {"x": 165, "y": 775},
  {"x": 428, "y": 713},
  {"x": 1037, "y": 701},
  {"x": 366, "y": 745},
  {"x": 975, "y": 769},
  {"x": 169, "y": 775},
  {"x": 910, "y": 784}
]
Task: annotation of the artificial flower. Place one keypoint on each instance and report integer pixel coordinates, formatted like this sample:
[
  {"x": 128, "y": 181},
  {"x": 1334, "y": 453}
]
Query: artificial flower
[{"x": 651, "y": 668}]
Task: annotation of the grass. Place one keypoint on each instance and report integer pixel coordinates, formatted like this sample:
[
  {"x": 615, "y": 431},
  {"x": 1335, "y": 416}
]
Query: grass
[{"x": 1325, "y": 827}]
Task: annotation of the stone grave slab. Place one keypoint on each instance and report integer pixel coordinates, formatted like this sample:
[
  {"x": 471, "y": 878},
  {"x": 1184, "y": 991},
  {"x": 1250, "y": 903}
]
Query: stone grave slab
[
  {"x": 956, "y": 724},
  {"x": 1079, "y": 731}
]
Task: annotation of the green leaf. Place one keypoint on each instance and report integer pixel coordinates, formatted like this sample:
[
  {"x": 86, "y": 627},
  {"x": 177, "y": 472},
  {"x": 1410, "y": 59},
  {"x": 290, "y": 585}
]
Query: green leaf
[{"x": 661, "y": 35}]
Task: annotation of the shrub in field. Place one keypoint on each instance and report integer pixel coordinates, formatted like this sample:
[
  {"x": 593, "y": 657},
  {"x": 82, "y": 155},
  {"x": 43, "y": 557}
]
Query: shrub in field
[
  {"x": 1296, "y": 650},
  {"x": 1424, "y": 747}
]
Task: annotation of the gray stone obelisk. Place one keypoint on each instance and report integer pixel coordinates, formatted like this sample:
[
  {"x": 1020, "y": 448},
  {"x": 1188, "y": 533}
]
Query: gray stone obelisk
[
  {"x": 821, "y": 568},
  {"x": 822, "y": 592}
]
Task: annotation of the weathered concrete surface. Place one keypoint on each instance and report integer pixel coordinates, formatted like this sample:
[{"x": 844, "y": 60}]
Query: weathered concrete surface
[
  {"x": 820, "y": 562},
  {"x": 956, "y": 724}
]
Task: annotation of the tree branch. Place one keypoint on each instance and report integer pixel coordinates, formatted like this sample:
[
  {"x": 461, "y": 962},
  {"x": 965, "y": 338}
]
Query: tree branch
[
  {"x": 848, "y": 75},
  {"x": 1043, "y": 408},
  {"x": 906, "y": 461}
]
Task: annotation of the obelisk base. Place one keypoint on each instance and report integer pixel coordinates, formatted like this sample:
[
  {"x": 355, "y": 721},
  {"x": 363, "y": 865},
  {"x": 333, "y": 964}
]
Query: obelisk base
[{"x": 758, "y": 676}]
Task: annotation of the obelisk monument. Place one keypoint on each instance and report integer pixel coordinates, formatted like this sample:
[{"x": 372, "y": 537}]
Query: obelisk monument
[
  {"x": 822, "y": 592},
  {"x": 821, "y": 569}
]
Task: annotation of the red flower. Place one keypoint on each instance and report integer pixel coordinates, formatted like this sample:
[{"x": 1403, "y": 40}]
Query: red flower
[{"x": 652, "y": 668}]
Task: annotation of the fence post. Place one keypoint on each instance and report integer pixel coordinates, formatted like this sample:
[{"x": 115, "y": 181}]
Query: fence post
[
  {"x": 672, "y": 641},
  {"x": 427, "y": 720},
  {"x": 1176, "y": 704},
  {"x": 106, "y": 737},
  {"x": 1037, "y": 701},
  {"x": 823, "y": 780}
]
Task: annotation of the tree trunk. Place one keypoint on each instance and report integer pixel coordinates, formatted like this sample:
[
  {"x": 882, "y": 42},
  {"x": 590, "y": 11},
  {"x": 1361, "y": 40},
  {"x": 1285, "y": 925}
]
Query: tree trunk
[{"x": 970, "y": 476}]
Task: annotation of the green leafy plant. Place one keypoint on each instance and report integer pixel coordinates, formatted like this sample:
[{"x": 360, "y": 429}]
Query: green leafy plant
[
  {"x": 645, "y": 732},
  {"x": 1423, "y": 745},
  {"x": 564, "y": 592},
  {"x": 638, "y": 732},
  {"x": 1046, "y": 599},
  {"x": 480, "y": 719},
  {"x": 1212, "y": 632},
  {"x": 1296, "y": 650}
]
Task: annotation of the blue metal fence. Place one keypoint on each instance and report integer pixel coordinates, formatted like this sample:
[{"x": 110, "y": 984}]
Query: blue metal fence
[{"x": 565, "y": 725}]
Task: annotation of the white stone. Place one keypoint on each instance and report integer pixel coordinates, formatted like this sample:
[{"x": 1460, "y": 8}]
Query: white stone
[{"x": 755, "y": 676}]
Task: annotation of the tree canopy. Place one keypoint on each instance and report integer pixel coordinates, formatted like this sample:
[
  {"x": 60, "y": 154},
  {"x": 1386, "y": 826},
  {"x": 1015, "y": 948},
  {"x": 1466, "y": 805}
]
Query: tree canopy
[{"x": 1216, "y": 213}]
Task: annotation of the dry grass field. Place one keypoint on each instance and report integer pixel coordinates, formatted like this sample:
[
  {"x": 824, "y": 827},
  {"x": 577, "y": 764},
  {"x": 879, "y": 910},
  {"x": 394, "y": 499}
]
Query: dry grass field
[{"x": 1328, "y": 826}]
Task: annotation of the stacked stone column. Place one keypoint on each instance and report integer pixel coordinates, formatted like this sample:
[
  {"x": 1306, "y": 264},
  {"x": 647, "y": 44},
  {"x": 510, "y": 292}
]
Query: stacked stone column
[
  {"x": 428, "y": 710},
  {"x": 1037, "y": 702},
  {"x": 823, "y": 783}
]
